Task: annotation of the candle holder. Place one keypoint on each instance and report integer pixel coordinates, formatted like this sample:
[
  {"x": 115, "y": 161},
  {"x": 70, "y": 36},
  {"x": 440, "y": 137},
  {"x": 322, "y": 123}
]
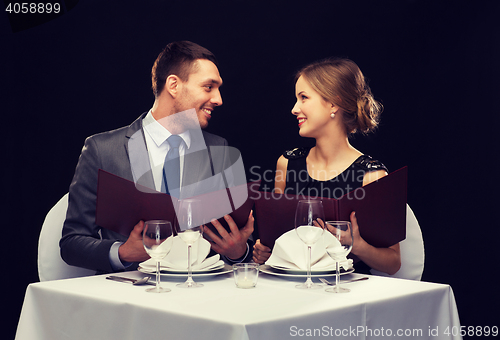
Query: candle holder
[{"x": 246, "y": 275}]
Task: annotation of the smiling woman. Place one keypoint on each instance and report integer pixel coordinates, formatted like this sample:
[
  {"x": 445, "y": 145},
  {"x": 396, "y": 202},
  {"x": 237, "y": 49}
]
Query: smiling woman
[
  {"x": 333, "y": 102},
  {"x": 341, "y": 84}
]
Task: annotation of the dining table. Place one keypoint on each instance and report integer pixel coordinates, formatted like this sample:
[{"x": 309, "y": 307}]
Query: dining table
[{"x": 94, "y": 307}]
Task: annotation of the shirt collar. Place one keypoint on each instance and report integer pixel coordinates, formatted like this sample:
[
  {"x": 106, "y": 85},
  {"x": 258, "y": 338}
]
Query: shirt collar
[{"x": 159, "y": 133}]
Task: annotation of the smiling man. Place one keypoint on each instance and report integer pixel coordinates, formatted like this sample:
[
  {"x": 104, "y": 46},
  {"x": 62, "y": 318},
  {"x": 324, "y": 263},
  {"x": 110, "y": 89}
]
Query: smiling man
[{"x": 186, "y": 83}]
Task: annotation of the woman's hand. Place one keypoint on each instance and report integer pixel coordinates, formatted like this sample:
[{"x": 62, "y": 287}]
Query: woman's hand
[
  {"x": 358, "y": 241},
  {"x": 260, "y": 252},
  {"x": 387, "y": 260}
]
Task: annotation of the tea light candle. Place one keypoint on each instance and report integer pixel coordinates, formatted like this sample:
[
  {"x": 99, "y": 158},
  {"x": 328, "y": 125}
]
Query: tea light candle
[
  {"x": 245, "y": 274},
  {"x": 245, "y": 282}
]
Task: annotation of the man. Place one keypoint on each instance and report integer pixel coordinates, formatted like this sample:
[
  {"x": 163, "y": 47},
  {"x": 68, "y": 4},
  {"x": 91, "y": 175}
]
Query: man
[{"x": 185, "y": 80}]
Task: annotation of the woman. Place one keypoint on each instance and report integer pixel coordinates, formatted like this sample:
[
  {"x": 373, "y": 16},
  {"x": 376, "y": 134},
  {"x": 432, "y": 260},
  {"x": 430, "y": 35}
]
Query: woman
[{"x": 333, "y": 102}]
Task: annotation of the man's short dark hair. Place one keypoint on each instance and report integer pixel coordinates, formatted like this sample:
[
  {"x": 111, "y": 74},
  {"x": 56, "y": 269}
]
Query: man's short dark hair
[{"x": 177, "y": 58}]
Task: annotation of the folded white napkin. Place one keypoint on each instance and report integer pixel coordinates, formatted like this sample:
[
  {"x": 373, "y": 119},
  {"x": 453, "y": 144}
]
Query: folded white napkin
[
  {"x": 177, "y": 258},
  {"x": 290, "y": 252}
]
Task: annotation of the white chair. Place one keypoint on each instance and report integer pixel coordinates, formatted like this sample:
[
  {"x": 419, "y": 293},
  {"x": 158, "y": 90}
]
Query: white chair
[
  {"x": 50, "y": 264},
  {"x": 412, "y": 251}
]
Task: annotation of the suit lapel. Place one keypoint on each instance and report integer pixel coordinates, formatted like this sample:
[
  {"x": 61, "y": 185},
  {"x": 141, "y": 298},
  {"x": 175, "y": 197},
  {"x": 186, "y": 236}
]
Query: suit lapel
[
  {"x": 198, "y": 172},
  {"x": 135, "y": 146}
]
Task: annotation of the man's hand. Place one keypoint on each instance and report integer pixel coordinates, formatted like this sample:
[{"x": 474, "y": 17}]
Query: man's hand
[
  {"x": 133, "y": 250},
  {"x": 234, "y": 244},
  {"x": 260, "y": 252}
]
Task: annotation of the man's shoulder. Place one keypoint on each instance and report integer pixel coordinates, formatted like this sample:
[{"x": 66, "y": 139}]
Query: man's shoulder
[
  {"x": 119, "y": 133},
  {"x": 109, "y": 134},
  {"x": 211, "y": 139}
]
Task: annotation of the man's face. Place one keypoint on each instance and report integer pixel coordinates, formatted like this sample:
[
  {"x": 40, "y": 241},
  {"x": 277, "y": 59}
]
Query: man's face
[{"x": 200, "y": 91}]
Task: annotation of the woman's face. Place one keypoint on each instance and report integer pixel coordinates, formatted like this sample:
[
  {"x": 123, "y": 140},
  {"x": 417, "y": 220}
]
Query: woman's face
[{"x": 312, "y": 111}]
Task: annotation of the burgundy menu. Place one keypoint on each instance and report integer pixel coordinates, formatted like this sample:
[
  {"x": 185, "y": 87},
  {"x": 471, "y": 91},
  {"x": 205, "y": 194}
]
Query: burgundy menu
[
  {"x": 121, "y": 204},
  {"x": 380, "y": 211}
]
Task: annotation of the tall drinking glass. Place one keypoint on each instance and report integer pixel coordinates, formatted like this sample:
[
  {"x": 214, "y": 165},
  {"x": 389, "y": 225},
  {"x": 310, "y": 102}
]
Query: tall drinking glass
[
  {"x": 154, "y": 235},
  {"x": 342, "y": 230},
  {"x": 309, "y": 225},
  {"x": 190, "y": 230}
]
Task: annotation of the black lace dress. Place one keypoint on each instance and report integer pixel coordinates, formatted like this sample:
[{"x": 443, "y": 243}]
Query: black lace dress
[{"x": 298, "y": 181}]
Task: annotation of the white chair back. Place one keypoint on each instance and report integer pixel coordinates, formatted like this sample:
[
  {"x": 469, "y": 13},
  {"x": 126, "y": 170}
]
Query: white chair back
[
  {"x": 412, "y": 251},
  {"x": 50, "y": 264}
]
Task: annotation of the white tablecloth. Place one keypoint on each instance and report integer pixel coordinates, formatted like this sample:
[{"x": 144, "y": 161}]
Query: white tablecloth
[{"x": 96, "y": 308}]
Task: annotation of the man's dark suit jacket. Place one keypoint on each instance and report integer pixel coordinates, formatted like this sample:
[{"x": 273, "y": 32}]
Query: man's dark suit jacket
[{"x": 85, "y": 244}]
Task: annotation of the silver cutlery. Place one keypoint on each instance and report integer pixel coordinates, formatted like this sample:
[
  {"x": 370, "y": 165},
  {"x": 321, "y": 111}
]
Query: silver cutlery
[
  {"x": 143, "y": 281},
  {"x": 333, "y": 284}
]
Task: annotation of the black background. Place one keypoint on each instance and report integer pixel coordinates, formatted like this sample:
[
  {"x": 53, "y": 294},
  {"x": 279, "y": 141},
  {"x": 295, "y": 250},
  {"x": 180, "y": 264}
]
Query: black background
[{"x": 433, "y": 64}]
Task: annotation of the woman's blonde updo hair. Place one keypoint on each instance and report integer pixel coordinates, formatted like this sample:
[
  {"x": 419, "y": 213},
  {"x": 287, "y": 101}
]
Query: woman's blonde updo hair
[{"x": 340, "y": 82}]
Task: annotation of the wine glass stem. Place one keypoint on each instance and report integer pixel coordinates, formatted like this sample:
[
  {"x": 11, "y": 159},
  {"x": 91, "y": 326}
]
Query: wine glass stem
[
  {"x": 157, "y": 275},
  {"x": 337, "y": 276},
  {"x": 189, "y": 263},
  {"x": 309, "y": 281}
]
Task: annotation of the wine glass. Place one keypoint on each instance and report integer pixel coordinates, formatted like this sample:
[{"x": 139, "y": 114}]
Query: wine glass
[
  {"x": 190, "y": 229},
  {"x": 342, "y": 230},
  {"x": 309, "y": 225},
  {"x": 154, "y": 237}
]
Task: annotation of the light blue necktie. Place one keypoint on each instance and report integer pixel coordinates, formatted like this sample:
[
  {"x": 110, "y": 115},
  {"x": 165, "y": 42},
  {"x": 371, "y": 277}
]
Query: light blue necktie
[{"x": 172, "y": 165}]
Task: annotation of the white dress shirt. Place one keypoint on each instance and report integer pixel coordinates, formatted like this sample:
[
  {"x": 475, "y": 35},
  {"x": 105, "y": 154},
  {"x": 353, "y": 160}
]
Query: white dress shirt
[{"x": 156, "y": 141}]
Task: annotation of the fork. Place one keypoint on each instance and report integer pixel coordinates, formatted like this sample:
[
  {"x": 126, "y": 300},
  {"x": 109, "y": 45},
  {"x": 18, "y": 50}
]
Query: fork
[{"x": 143, "y": 281}]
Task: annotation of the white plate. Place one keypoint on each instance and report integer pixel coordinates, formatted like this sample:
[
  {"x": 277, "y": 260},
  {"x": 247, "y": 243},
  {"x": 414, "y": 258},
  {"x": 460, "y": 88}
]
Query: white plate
[
  {"x": 300, "y": 273},
  {"x": 215, "y": 266},
  {"x": 183, "y": 273}
]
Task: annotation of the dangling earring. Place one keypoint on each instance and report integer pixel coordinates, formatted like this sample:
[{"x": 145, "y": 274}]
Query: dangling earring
[{"x": 332, "y": 115}]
